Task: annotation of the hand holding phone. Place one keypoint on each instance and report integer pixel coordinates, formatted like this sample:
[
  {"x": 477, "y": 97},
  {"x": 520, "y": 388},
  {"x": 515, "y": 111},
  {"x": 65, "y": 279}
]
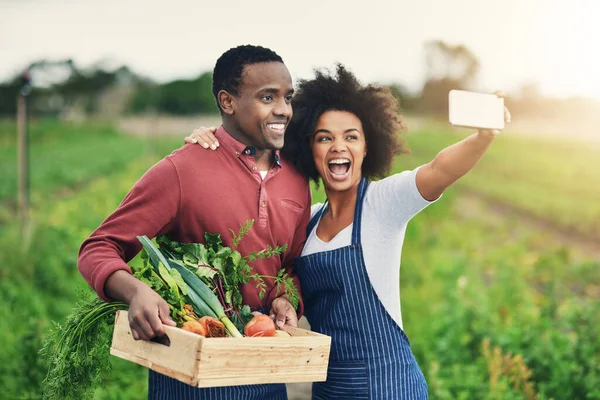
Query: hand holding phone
[{"x": 476, "y": 110}]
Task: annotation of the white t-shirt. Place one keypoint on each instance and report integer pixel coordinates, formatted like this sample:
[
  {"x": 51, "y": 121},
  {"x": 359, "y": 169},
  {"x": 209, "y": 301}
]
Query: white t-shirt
[{"x": 389, "y": 204}]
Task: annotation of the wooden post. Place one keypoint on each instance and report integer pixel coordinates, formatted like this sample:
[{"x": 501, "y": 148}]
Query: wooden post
[{"x": 23, "y": 157}]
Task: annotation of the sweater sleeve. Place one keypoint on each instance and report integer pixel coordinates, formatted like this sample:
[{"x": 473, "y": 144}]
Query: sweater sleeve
[{"x": 150, "y": 209}]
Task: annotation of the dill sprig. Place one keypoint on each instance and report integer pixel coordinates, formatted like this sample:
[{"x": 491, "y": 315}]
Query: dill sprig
[{"x": 78, "y": 350}]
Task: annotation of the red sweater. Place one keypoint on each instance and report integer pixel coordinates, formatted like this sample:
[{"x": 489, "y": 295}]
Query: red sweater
[{"x": 193, "y": 191}]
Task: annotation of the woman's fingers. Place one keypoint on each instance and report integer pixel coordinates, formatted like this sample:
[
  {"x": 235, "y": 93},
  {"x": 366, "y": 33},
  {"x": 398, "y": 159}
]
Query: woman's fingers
[
  {"x": 502, "y": 95},
  {"x": 205, "y": 137}
]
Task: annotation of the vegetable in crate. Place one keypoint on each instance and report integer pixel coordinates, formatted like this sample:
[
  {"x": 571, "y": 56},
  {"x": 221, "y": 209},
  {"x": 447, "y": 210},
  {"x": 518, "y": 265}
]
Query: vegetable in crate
[
  {"x": 224, "y": 269},
  {"x": 212, "y": 326},
  {"x": 259, "y": 326},
  {"x": 203, "y": 300},
  {"x": 194, "y": 327}
]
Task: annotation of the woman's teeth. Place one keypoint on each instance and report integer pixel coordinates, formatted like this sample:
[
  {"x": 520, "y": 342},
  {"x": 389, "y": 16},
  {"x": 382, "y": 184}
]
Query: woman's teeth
[{"x": 339, "y": 166}]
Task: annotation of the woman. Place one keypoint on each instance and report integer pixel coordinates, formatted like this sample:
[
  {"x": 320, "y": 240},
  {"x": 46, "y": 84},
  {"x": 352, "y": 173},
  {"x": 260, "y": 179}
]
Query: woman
[{"x": 346, "y": 134}]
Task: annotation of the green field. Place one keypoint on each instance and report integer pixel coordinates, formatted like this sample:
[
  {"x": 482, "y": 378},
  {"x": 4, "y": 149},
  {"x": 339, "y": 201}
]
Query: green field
[
  {"x": 492, "y": 310},
  {"x": 553, "y": 179}
]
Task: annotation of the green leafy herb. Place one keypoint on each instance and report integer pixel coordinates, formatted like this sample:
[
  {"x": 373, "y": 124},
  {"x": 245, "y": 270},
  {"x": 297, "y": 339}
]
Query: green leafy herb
[
  {"x": 78, "y": 350},
  {"x": 225, "y": 269},
  {"x": 244, "y": 229}
]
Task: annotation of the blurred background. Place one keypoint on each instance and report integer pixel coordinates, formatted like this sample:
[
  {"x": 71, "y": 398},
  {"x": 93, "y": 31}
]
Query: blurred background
[{"x": 500, "y": 280}]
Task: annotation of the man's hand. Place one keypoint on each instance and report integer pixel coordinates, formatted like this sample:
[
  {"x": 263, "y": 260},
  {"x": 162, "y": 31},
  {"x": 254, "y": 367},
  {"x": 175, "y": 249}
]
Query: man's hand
[
  {"x": 147, "y": 314},
  {"x": 283, "y": 312},
  {"x": 147, "y": 310}
]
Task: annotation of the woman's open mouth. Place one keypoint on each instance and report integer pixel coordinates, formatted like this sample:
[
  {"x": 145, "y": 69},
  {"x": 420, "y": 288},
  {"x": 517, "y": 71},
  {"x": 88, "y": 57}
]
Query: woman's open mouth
[{"x": 339, "y": 168}]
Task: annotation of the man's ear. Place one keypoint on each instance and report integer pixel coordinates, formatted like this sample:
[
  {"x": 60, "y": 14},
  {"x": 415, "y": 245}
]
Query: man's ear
[{"x": 226, "y": 101}]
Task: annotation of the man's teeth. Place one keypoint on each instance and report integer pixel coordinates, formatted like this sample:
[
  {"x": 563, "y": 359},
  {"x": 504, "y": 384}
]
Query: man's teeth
[
  {"x": 277, "y": 127},
  {"x": 339, "y": 161}
]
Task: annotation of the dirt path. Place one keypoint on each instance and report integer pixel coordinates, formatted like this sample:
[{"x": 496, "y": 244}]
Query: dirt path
[
  {"x": 495, "y": 212},
  {"x": 165, "y": 125}
]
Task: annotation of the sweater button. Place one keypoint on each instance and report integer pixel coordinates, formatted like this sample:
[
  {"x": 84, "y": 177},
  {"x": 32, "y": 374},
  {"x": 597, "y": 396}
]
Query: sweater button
[
  {"x": 264, "y": 204},
  {"x": 254, "y": 167}
]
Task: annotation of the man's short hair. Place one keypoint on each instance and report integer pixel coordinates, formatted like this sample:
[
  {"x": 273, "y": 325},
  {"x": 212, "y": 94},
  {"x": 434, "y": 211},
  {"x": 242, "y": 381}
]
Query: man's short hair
[{"x": 227, "y": 74}]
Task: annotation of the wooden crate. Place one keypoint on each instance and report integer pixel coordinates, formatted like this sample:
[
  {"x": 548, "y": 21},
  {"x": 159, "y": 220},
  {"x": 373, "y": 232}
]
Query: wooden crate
[{"x": 205, "y": 362}]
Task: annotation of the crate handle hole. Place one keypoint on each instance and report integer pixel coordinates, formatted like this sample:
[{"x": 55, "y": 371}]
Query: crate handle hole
[{"x": 164, "y": 340}]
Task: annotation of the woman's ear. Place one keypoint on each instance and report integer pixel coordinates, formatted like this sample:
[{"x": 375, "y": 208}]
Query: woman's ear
[{"x": 226, "y": 101}]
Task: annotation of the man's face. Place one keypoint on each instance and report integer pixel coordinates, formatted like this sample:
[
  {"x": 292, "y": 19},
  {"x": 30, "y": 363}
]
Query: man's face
[{"x": 262, "y": 109}]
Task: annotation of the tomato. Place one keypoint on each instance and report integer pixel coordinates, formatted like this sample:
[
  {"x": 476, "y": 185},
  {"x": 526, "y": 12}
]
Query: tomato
[{"x": 260, "y": 325}]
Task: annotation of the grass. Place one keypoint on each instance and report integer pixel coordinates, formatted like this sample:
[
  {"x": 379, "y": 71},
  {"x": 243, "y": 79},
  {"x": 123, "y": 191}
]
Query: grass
[
  {"x": 65, "y": 156},
  {"x": 555, "y": 180},
  {"x": 41, "y": 284}
]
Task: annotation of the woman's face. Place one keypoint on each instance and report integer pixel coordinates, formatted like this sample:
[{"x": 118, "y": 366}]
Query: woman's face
[{"x": 339, "y": 147}]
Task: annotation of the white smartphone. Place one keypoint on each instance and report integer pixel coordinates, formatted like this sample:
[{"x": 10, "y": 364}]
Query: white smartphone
[{"x": 475, "y": 110}]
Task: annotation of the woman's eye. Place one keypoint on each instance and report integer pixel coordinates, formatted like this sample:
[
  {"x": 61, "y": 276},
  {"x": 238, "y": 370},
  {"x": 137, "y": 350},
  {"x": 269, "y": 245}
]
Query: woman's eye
[
  {"x": 323, "y": 139},
  {"x": 352, "y": 137}
]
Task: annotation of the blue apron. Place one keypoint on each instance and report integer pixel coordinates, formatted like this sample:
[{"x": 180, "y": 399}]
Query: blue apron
[
  {"x": 370, "y": 354},
  {"x": 161, "y": 387}
]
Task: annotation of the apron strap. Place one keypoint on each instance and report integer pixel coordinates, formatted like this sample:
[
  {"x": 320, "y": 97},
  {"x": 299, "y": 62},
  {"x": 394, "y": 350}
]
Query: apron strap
[
  {"x": 356, "y": 225},
  {"x": 315, "y": 219}
]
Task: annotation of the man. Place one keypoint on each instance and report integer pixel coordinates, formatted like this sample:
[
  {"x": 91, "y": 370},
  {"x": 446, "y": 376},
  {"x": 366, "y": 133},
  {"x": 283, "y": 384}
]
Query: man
[{"x": 191, "y": 192}]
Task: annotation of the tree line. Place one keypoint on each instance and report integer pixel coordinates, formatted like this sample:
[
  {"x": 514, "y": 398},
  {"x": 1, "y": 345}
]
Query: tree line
[{"x": 60, "y": 87}]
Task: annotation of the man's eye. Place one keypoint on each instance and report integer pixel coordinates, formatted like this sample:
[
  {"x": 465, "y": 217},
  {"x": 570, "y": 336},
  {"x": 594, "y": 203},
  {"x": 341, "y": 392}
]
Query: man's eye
[
  {"x": 289, "y": 98},
  {"x": 267, "y": 98}
]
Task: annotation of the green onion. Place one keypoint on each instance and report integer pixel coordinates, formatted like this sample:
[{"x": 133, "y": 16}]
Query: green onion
[{"x": 196, "y": 285}]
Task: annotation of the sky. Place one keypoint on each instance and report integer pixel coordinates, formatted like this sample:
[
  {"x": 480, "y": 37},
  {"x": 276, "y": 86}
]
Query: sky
[{"x": 550, "y": 43}]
